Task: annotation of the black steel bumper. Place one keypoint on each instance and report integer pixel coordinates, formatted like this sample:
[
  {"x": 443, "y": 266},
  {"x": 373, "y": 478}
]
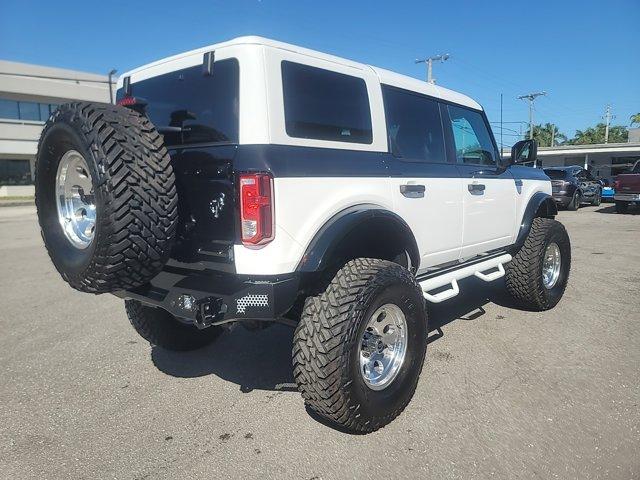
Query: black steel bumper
[{"x": 208, "y": 298}]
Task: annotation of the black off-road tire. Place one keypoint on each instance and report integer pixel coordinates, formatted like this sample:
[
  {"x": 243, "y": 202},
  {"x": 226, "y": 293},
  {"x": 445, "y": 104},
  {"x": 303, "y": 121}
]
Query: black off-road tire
[
  {"x": 134, "y": 191},
  {"x": 621, "y": 206},
  {"x": 575, "y": 201},
  {"x": 326, "y": 351},
  {"x": 160, "y": 328},
  {"x": 524, "y": 273},
  {"x": 597, "y": 200}
]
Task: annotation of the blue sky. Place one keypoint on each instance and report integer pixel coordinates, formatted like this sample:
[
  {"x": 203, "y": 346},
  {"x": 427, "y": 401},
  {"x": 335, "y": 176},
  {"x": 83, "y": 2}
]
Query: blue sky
[{"x": 585, "y": 54}]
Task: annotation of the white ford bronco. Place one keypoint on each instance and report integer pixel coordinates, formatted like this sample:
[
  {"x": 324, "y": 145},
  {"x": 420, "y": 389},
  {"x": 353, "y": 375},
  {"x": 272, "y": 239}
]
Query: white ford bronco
[{"x": 254, "y": 181}]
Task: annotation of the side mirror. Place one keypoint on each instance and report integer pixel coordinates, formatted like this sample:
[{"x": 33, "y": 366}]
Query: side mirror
[{"x": 524, "y": 151}]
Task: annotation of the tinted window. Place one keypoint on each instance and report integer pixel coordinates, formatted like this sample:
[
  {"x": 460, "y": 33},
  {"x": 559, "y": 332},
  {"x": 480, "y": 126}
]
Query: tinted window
[
  {"x": 325, "y": 105},
  {"x": 555, "y": 174},
  {"x": 29, "y": 111},
  {"x": 414, "y": 126},
  {"x": 189, "y": 107},
  {"x": 471, "y": 136},
  {"x": 9, "y": 109}
]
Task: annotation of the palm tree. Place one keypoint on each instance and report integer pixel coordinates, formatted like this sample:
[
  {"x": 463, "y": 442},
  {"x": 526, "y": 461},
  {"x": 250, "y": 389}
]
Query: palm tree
[
  {"x": 635, "y": 119},
  {"x": 547, "y": 134},
  {"x": 591, "y": 135}
]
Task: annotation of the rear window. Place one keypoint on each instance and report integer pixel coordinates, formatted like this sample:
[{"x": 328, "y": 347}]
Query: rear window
[
  {"x": 325, "y": 105},
  {"x": 414, "y": 126},
  {"x": 187, "y": 106},
  {"x": 555, "y": 174}
]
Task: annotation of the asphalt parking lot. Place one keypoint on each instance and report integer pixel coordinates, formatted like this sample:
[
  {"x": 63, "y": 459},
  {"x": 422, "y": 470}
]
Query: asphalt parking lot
[{"x": 503, "y": 394}]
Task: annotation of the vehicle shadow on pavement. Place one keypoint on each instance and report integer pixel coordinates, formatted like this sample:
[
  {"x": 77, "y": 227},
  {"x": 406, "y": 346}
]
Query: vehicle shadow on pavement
[
  {"x": 258, "y": 360},
  {"x": 468, "y": 305},
  {"x": 612, "y": 209},
  {"x": 261, "y": 360}
]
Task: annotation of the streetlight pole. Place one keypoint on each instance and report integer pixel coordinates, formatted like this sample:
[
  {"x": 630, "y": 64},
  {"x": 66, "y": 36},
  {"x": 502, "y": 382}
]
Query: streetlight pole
[
  {"x": 429, "y": 62},
  {"x": 531, "y": 97}
]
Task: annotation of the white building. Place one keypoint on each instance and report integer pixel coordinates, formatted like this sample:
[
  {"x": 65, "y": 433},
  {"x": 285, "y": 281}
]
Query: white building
[
  {"x": 603, "y": 160},
  {"x": 28, "y": 94}
]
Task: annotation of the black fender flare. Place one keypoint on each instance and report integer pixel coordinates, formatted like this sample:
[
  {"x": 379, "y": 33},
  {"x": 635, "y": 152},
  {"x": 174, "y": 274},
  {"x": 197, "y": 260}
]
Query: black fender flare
[
  {"x": 329, "y": 237},
  {"x": 540, "y": 205}
]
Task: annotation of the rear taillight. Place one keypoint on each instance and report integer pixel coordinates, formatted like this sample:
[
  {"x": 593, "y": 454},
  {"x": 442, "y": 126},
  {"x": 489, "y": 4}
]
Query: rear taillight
[
  {"x": 256, "y": 208},
  {"x": 127, "y": 101},
  {"x": 616, "y": 184}
]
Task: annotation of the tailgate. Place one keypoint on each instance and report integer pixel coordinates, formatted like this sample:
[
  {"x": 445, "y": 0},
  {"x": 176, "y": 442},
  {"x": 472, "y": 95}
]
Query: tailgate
[
  {"x": 628, "y": 183},
  {"x": 197, "y": 113},
  {"x": 206, "y": 207}
]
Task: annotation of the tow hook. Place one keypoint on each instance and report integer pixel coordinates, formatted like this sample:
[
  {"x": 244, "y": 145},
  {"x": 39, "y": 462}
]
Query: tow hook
[{"x": 210, "y": 310}]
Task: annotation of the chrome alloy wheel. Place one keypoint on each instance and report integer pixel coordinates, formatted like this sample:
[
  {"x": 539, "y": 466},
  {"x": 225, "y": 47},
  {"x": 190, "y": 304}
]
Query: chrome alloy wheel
[
  {"x": 75, "y": 199},
  {"x": 383, "y": 346},
  {"x": 551, "y": 266}
]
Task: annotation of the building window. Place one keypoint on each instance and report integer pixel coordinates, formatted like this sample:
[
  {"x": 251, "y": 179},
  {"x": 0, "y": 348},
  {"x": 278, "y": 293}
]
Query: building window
[
  {"x": 9, "y": 109},
  {"x": 29, "y": 111},
  {"x": 15, "y": 172},
  {"x": 32, "y": 111}
]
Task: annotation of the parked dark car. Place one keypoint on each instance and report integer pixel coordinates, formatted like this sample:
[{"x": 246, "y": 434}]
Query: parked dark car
[{"x": 572, "y": 186}]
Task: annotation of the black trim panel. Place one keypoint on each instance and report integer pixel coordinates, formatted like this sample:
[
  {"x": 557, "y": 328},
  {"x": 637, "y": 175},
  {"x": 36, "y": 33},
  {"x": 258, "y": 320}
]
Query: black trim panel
[
  {"x": 539, "y": 200},
  {"x": 288, "y": 161},
  {"x": 327, "y": 240}
]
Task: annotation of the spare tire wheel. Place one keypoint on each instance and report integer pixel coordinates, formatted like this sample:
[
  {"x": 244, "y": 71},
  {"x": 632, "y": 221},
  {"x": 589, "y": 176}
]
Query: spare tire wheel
[{"x": 106, "y": 196}]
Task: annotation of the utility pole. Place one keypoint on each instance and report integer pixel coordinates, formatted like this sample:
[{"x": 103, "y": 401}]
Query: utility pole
[
  {"x": 531, "y": 97},
  {"x": 553, "y": 133},
  {"x": 429, "y": 62},
  {"x": 607, "y": 121}
]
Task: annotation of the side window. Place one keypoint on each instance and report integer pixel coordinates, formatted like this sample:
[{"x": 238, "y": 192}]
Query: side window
[
  {"x": 325, "y": 105},
  {"x": 471, "y": 137},
  {"x": 414, "y": 126}
]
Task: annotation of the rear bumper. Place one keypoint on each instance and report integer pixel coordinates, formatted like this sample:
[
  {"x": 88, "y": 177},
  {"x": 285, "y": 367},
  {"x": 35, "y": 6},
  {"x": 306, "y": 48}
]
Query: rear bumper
[
  {"x": 208, "y": 298},
  {"x": 627, "y": 197},
  {"x": 562, "y": 198}
]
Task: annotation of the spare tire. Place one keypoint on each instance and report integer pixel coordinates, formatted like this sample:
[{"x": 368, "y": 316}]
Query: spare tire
[{"x": 106, "y": 196}]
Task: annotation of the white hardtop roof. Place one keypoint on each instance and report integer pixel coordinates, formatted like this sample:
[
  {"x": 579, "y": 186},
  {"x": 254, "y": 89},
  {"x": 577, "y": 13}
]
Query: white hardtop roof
[{"x": 385, "y": 76}]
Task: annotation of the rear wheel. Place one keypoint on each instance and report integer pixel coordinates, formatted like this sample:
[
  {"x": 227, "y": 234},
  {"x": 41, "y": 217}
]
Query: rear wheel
[
  {"x": 575, "y": 201},
  {"x": 160, "y": 328},
  {"x": 537, "y": 276},
  {"x": 621, "y": 206},
  {"x": 360, "y": 345}
]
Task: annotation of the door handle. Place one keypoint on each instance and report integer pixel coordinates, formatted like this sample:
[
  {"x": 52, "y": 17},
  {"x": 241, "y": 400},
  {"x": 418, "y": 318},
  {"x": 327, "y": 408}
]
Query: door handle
[
  {"x": 476, "y": 188},
  {"x": 412, "y": 191}
]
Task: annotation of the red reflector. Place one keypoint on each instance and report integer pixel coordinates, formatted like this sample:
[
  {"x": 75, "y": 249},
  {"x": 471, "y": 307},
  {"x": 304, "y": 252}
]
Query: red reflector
[{"x": 256, "y": 208}]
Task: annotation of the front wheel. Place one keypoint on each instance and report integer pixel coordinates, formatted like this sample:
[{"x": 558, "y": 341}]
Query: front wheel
[
  {"x": 597, "y": 200},
  {"x": 537, "y": 276},
  {"x": 360, "y": 345}
]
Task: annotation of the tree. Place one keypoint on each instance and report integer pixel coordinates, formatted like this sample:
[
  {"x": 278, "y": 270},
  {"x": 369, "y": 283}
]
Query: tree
[
  {"x": 544, "y": 133},
  {"x": 617, "y": 134},
  {"x": 635, "y": 119}
]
